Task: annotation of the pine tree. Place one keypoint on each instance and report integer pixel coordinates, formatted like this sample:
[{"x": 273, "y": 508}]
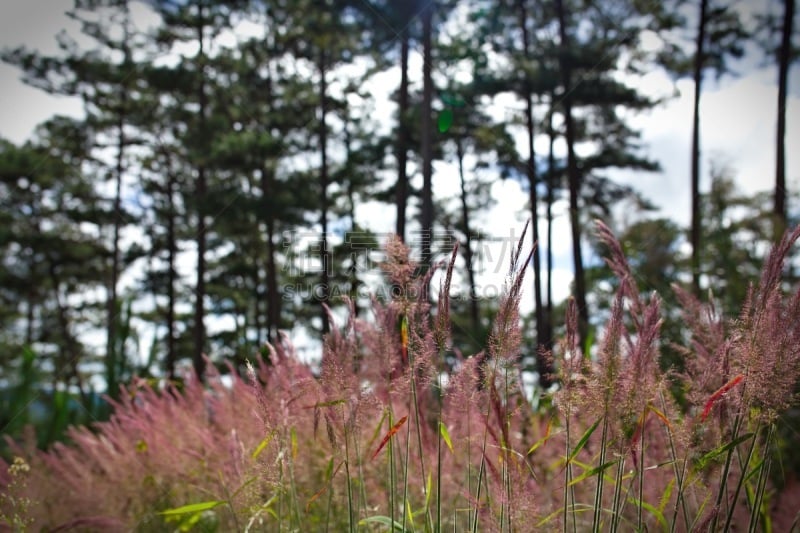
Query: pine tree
[
  {"x": 53, "y": 256},
  {"x": 112, "y": 101},
  {"x": 719, "y": 34},
  {"x": 426, "y": 135},
  {"x": 198, "y": 22},
  {"x": 784, "y": 53}
]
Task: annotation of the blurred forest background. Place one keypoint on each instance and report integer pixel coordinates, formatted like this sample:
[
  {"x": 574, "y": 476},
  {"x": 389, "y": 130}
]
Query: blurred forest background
[{"x": 236, "y": 167}]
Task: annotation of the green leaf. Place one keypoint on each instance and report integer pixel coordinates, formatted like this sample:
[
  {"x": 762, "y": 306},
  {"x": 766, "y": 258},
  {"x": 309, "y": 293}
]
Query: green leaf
[
  {"x": 192, "y": 508},
  {"x": 652, "y": 510},
  {"x": 409, "y": 513},
  {"x": 445, "y": 120},
  {"x": 667, "y": 493},
  {"x": 378, "y": 428},
  {"x": 583, "y": 441},
  {"x": 261, "y": 445},
  {"x": 428, "y": 493},
  {"x": 544, "y": 439},
  {"x": 716, "y": 452},
  {"x": 593, "y": 472},
  {"x": 589, "y": 342},
  {"x": 445, "y": 435},
  {"x": 755, "y": 469},
  {"x": 383, "y": 520},
  {"x": 452, "y": 100}
]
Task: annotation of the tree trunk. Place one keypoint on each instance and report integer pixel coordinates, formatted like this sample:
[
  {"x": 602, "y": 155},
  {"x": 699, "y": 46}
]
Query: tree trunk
[
  {"x": 533, "y": 199},
  {"x": 111, "y": 302},
  {"x": 172, "y": 276},
  {"x": 426, "y": 234},
  {"x": 401, "y": 190},
  {"x": 323, "y": 185},
  {"x": 474, "y": 314},
  {"x": 352, "y": 271},
  {"x": 29, "y": 318},
  {"x": 260, "y": 302},
  {"x": 71, "y": 351},
  {"x": 699, "y": 59},
  {"x": 784, "y": 61},
  {"x": 551, "y": 184},
  {"x": 200, "y": 197},
  {"x": 273, "y": 297},
  {"x": 574, "y": 180}
]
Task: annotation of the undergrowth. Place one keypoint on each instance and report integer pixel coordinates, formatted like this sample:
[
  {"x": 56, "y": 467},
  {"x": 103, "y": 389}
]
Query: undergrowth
[{"x": 385, "y": 436}]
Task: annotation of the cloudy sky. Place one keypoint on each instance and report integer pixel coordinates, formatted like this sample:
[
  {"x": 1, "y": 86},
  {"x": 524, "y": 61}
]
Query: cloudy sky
[{"x": 737, "y": 121}]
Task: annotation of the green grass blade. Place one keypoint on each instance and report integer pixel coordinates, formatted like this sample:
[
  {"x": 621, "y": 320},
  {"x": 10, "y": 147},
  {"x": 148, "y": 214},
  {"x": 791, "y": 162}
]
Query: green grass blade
[
  {"x": 716, "y": 452},
  {"x": 652, "y": 510},
  {"x": 192, "y": 508},
  {"x": 263, "y": 444},
  {"x": 593, "y": 472},
  {"x": 582, "y": 442},
  {"x": 445, "y": 435},
  {"x": 382, "y": 520}
]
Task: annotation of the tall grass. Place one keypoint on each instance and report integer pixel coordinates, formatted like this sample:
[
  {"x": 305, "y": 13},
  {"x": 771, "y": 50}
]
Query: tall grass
[{"x": 377, "y": 439}]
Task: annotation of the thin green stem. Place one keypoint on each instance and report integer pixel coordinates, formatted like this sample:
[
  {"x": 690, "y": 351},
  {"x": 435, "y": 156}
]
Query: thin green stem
[
  {"x": 763, "y": 475},
  {"x": 392, "y": 480},
  {"x": 330, "y": 500},
  {"x": 405, "y": 474},
  {"x": 598, "y": 494},
  {"x": 741, "y": 481},
  {"x": 469, "y": 460},
  {"x": 481, "y": 470},
  {"x": 350, "y": 517},
  {"x": 478, "y": 495},
  {"x": 641, "y": 475},
  {"x": 616, "y": 506},
  {"x": 724, "y": 478},
  {"x": 295, "y": 506},
  {"x": 415, "y": 407},
  {"x": 363, "y": 503},
  {"x": 679, "y": 475},
  {"x": 439, "y": 453},
  {"x": 506, "y": 456},
  {"x": 567, "y": 472}
]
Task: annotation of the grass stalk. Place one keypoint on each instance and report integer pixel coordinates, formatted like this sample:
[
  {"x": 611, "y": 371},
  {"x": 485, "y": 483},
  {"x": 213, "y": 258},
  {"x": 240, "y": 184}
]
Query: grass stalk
[
  {"x": 330, "y": 501},
  {"x": 567, "y": 475},
  {"x": 598, "y": 494},
  {"x": 507, "y": 457},
  {"x": 742, "y": 477},
  {"x": 469, "y": 462},
  {"x": 680, "y": 475},
  {"x": 418, "y": 427},
  {"x": 405, "y": 475},
  {"x": 351, "y": 524},
  {"x": 616, "y": 504},
  {"x": 725, "y": 471},
  {"x": 439, "y": 453},
  {"x": 641, "y": 475},
  {"x": 763, "y": 476},
  {"x": 481, "y": 471},
  {"x": 293, "y": 486},
  {"x": 392, "y": 475},
  {"x": 363, "y": 502}
]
